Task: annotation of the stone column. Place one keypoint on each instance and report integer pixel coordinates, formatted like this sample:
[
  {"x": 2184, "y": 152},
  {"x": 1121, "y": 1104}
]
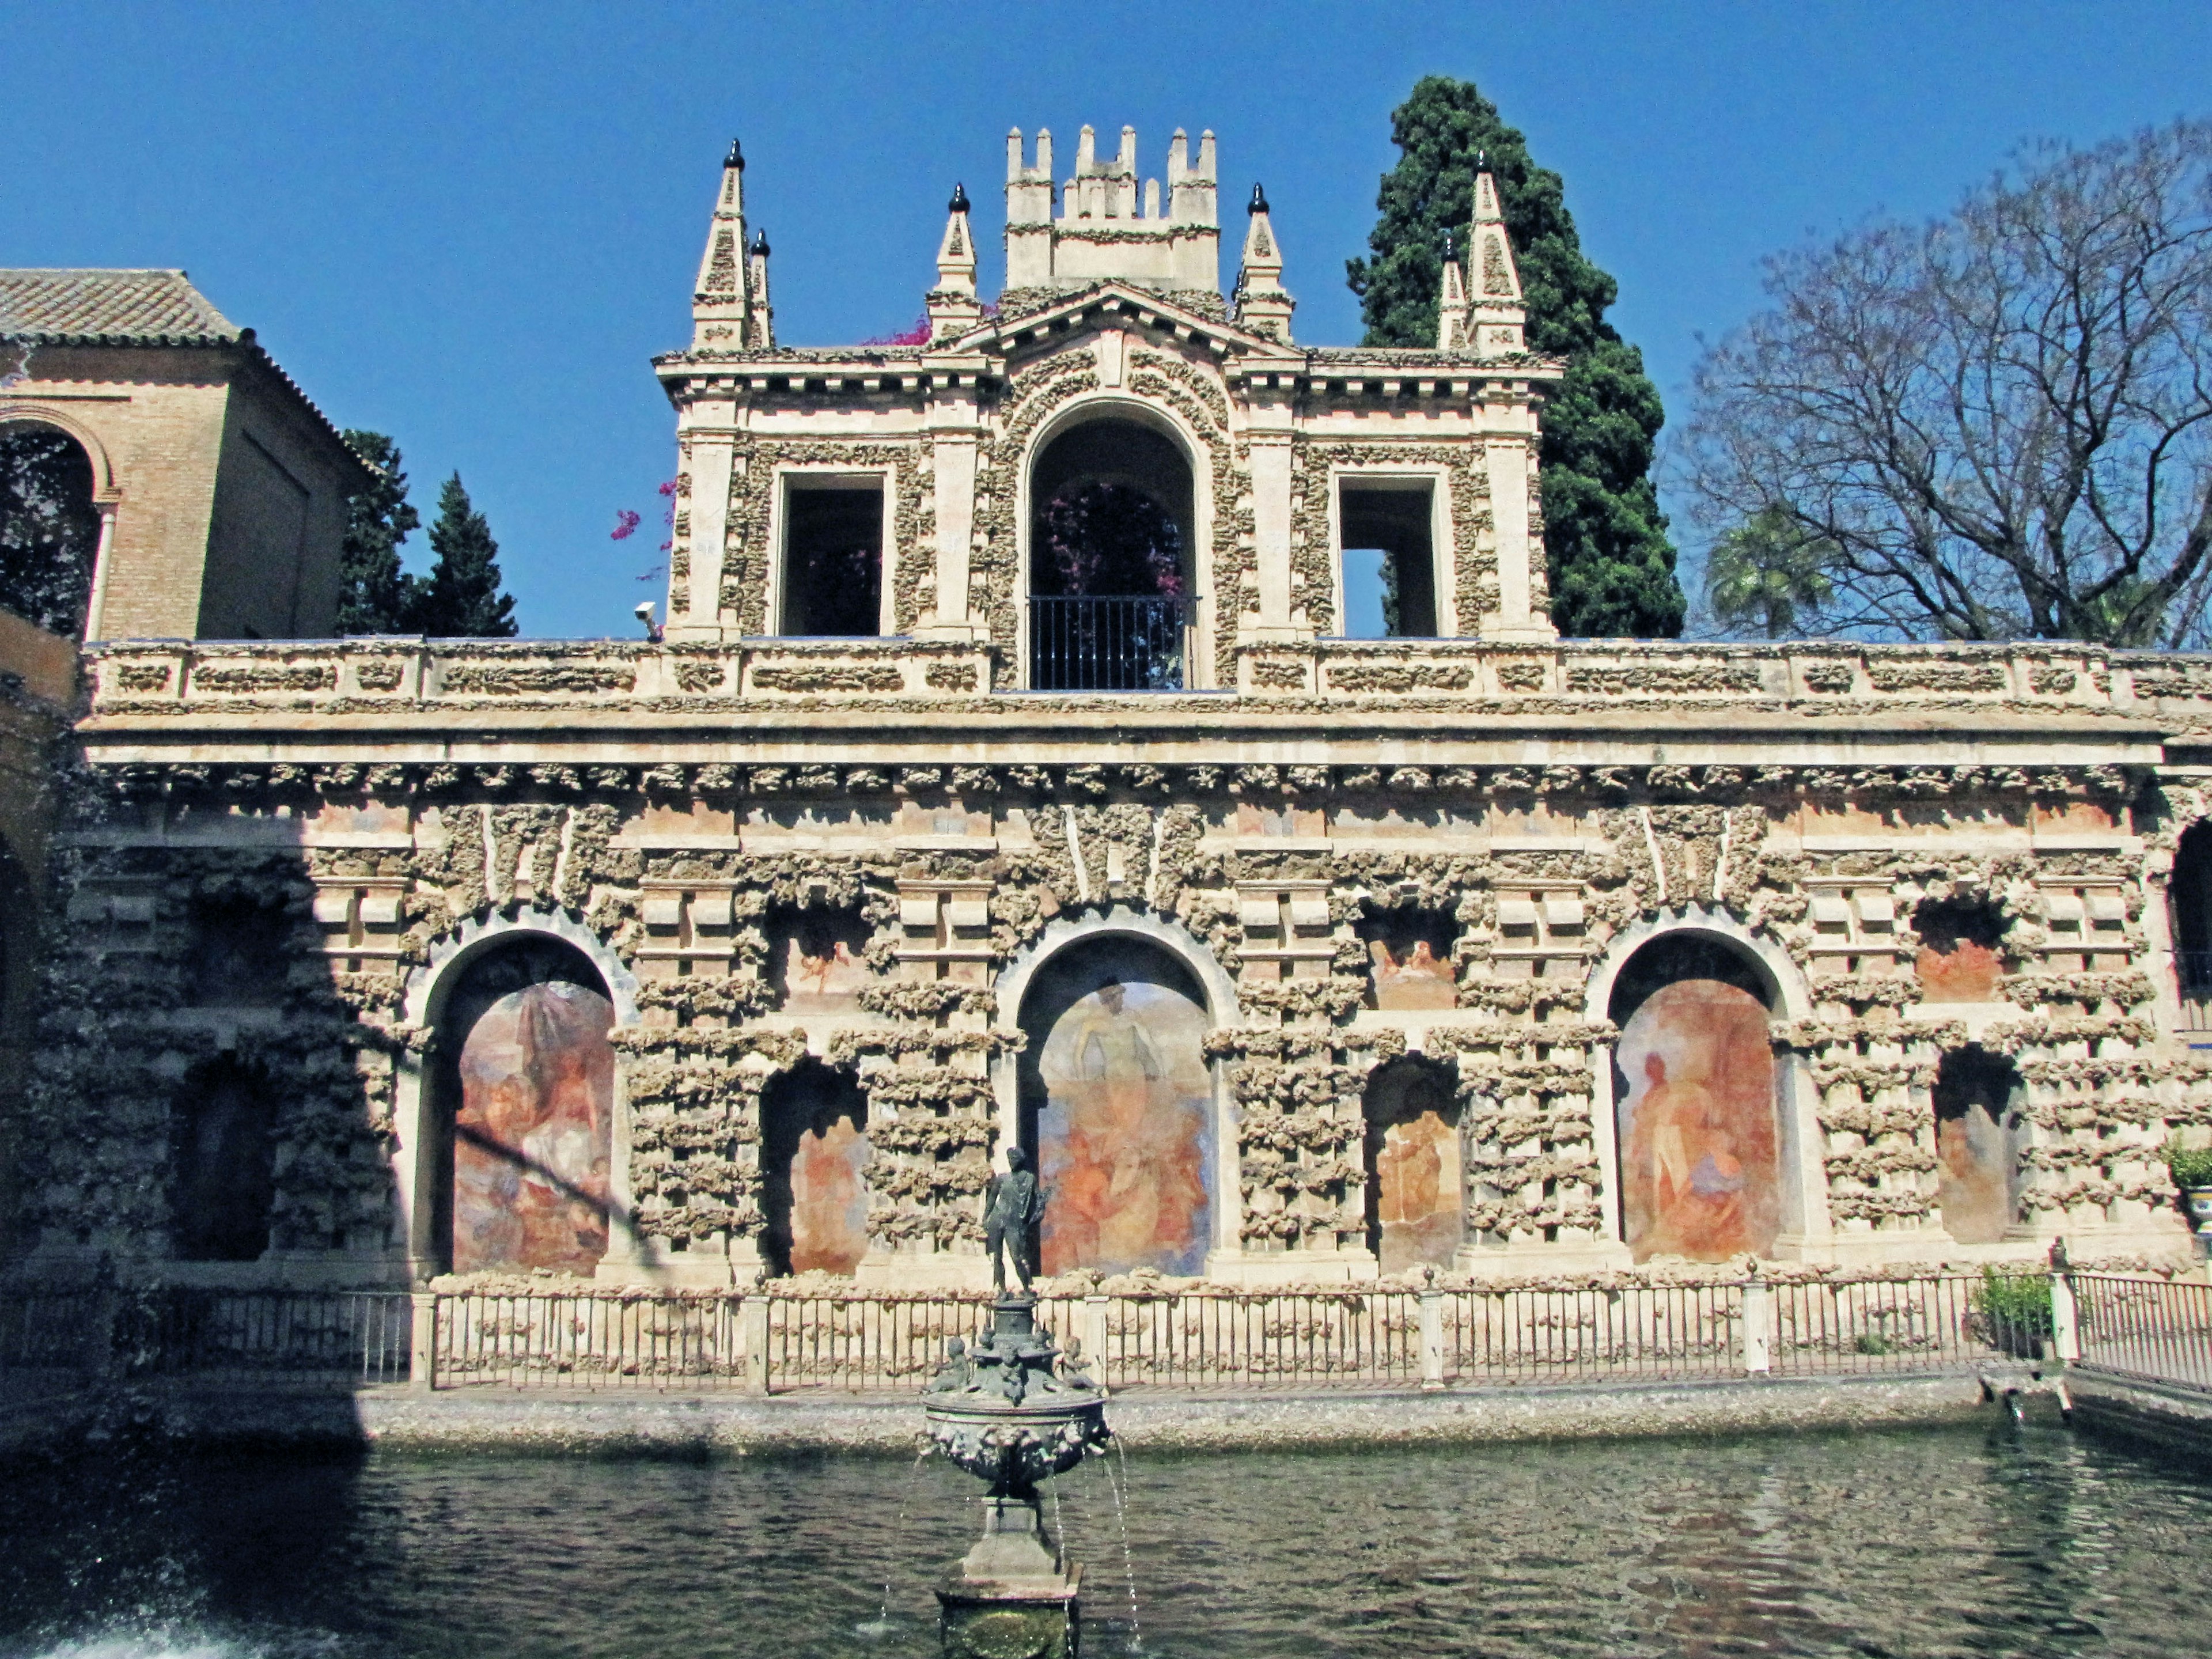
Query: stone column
[
  {"x": 954, "y": 436},
  {"x": 708, "y": 435},
  {"x": 1271, "y": 528}
]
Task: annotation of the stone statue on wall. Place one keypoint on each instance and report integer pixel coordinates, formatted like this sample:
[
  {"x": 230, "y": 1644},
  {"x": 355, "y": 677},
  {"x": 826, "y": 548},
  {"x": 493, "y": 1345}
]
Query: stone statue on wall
[{"x": 1012, "y": 1204}]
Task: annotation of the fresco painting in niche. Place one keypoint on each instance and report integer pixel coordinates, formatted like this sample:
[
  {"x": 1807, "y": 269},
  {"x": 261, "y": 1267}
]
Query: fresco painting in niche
[
  {"x": 829, "y": 1198},
  {"x": 532, "y": 1141},
  {"x": 1975, "y": 1156},
  {"x": 1959, "y": 959},
  {"x": 1408, "y": 973},
  {"x": 1701, "y": 1173},
  {"x": 822, "y": 970},
  {"x": 1126, "y": 1141},
  {"x": 1418, "y": 1180}
]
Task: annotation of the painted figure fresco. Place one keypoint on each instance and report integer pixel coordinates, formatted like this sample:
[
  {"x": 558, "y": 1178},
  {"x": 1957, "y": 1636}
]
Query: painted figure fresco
[
  {"x": 1701, "y": 1165},
  {"x": 1126, "y": 1141},
  {"x": 1967, "y": 972},
  {"x": 532, "y": 1142},
  {"x": 1408, "y": 973},
  {"x": 821, "y": 974},
  {"x": 829, "y": 1196},
  {"x": 1976, "y": 1161},
  {"x": 1419, "y": 1185}
]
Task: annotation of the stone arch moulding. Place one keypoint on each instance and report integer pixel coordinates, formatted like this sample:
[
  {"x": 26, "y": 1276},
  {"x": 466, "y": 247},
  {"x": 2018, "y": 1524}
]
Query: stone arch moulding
[
  {"x": 428, "y": 988},
  {"x": 427, "y": 985},
  {"x": 106, "y": 492},
  {"x": 1064, "y": 933},
  {"x": 1805, "y": 1232},
  {"x": 1108, "y": 406}
]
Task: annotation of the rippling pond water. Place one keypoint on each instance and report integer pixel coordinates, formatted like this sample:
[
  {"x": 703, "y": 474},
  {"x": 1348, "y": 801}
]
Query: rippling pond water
[{"x": 1998, "y": 1541}]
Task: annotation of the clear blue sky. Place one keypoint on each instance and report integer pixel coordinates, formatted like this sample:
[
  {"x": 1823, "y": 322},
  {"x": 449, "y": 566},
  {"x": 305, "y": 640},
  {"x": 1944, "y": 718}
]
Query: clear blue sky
[{"x": 470, "y": 226}]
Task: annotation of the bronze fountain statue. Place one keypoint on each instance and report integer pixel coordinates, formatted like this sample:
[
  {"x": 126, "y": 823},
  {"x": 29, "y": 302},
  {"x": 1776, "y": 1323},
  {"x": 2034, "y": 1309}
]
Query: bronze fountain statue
[{"x": 1011, "y": 1410}]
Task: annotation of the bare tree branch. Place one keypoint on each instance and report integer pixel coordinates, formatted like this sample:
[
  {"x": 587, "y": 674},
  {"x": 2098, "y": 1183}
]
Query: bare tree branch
[{"x": 1994, "y": 425}]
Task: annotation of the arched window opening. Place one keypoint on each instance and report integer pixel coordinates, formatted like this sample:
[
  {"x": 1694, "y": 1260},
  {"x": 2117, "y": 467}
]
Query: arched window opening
[
  {"x": 1415, "y": 1177},
  {"x": 1978, "y": 1121},
  {"x": 525, "y": 1074},
  {"x": 1110, "y": 573},
  {"x": 1409, "y": 954},
  {"x": 2189, "y": 894},
  {"x": 833, "y": 556},
  {"x": 1959, "y": 941},
  {"x": 49, "y": 527},
  {"x": 1693, "y": 1089},
  {"x": 222, "y": 1163},
  {"x": 241, "y": 952},
  {"x": 814, "y": 1163},
  {"x": 1117, "y": 1109},
  {"x": 1385, "y": 528}
]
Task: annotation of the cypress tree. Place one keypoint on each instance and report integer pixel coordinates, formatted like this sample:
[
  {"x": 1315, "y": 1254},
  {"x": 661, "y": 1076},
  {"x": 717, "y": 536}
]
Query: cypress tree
[
  {"x": 1611, "y": 565},
  {"x": 462, "y": 598},
  {"x": 374, "y": 595}
]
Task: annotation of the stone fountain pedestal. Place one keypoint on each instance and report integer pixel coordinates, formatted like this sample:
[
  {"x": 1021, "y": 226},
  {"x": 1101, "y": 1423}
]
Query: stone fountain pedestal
[{"x": 1011, "y": 1413}]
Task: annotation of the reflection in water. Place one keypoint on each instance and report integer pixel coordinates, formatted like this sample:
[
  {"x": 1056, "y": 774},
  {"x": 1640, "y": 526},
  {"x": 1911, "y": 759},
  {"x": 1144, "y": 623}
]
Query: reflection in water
[{"x": 2028, "y": 1542}]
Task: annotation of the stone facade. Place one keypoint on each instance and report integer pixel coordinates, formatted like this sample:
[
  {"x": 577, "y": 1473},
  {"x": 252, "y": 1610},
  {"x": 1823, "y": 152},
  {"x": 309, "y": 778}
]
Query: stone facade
[{"x": 1323, "y": 942}]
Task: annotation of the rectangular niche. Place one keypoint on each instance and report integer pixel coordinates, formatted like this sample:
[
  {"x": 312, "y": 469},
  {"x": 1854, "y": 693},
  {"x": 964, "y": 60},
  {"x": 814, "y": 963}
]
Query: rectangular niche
[
  {"x": 832, "y": 571},
  {"x": 1409, "y": 954},
  {"x": 818, "y": 960},
  {"x": 1386, "y": 528}
]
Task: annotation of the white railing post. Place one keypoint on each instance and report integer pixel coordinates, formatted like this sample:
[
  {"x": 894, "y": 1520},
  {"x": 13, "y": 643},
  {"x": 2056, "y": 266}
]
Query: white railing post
[
  {"x": 753, "y": 1320},
  {"x": 423, "y": 1341},
  {"x": 2065, "y": 1319},
  {"x": 1094, "y": 1334},
  {"x": 1755, "y": 1334},
  {"x": 1432, "y": 1333}
]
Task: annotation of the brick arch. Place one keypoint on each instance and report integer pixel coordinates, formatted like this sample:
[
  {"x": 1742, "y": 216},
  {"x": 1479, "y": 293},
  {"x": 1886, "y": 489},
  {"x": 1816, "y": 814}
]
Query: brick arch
[{"x": 106, "y": 491}]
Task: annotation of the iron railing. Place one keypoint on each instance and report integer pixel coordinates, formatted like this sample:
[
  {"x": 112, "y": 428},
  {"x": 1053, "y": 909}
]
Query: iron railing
[
  {"x": 2156, "y": 1330},
  {"x": 1207, "y": 1337},
  {"x": 1123, "y": 644}
]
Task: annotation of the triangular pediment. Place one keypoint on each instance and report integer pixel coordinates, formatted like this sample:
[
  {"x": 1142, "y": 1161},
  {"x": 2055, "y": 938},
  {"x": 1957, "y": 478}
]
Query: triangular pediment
[{"x": 1110, "y": 304}]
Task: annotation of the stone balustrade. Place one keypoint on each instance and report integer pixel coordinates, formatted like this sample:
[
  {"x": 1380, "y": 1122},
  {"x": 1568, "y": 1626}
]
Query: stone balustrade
[{"x": 1812, "y": 678}]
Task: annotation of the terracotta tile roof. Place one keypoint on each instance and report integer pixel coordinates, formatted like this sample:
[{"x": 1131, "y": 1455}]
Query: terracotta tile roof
[
  {"x": 136, "y": 308},
  {"x": 156, "y": 307}
]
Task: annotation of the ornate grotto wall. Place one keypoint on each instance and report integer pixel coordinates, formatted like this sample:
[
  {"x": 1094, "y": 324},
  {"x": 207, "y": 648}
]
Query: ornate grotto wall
[{"x": 385, "y": 872}]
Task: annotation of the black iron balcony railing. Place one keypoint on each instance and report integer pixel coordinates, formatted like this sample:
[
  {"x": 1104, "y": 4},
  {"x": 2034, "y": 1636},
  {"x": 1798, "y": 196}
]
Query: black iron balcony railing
[{"x": 1128, "y": 644}]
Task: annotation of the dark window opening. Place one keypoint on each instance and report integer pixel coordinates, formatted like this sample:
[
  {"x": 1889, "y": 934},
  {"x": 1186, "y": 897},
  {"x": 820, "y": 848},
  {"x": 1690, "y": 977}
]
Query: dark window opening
[
  {"x": 241, "y": 952},
  {"x": 1111, "y": 579},
  {"x": 1385, "y": 533},
  {"x": 49, "y": 528},
  {"x": 222, "y": 1164},
  {"x": 833, "y": 564}
]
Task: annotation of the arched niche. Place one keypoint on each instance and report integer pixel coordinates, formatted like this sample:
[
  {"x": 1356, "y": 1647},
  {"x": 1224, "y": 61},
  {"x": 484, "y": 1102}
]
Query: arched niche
[
  {"x": 1109, "y": 608},
  {"x": 51, "y": 514},
  {"x": 2189, "y": 900},
  {"x": 1415, "y": 1169},
  {"x": 814, "y": 1164},
  {"x": 1114, "y": 1098},
  {"x": 1707, "y": 1138},
  {"x": 1978, "y": 1100},
  {"x": 222, "y": 1161},
  {"x": 519, "y": 1110}
]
